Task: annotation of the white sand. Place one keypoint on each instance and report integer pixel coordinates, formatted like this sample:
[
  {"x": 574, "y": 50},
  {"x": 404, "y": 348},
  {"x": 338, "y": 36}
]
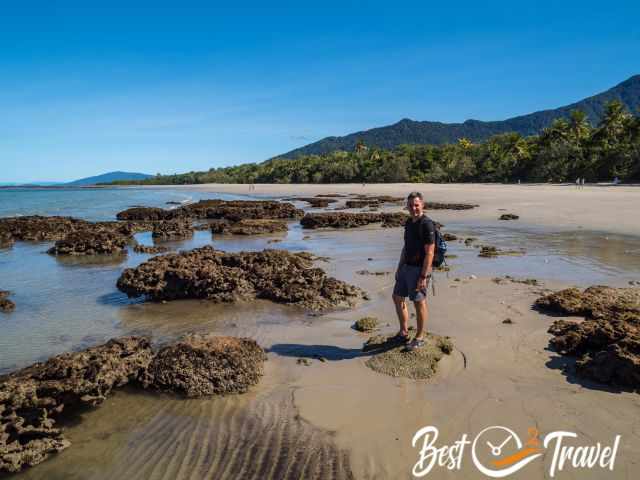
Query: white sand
[{"x": 603, "y": 208}]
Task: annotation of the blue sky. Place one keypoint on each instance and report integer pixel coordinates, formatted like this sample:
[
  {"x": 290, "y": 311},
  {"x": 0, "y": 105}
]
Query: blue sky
[{"x": 173, "y": 87}]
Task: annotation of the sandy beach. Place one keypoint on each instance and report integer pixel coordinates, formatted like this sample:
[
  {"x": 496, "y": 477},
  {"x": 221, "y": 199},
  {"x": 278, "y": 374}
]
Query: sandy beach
[
  {"x": 604, "y": 208},
  {"x": 337, "y": 418}
]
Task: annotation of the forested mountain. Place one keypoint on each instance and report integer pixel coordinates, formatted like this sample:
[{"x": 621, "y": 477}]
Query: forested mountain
[
  {"x": 436, "y": 133},
  {"x": 567, "y": 149},
  {"x": 108, "y": 178}
]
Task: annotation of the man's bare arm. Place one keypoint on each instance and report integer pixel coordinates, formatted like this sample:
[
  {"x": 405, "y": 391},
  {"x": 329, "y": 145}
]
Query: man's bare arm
[{"x": 430, "y": 250}]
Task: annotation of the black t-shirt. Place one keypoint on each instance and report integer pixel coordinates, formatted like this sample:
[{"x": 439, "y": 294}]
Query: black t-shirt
[{"x": 416, "y": 235}]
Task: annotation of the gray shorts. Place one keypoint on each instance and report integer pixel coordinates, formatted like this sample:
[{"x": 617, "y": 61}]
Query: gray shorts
[{"x": 407, "y": 281}]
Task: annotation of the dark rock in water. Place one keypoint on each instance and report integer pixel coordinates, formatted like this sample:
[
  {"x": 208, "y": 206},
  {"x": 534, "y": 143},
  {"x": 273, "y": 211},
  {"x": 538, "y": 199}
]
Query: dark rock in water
[
  {"x": 173, "y": 229},
  {"x": 206, "y": 273},
  {"x": 488, "y": 251},
  {"x": 39, "y": 228},
  {"x": 172, "y": 202},
  {"x": 249, "y": 227},
  {"x": 468, "y": 241},
  {"x": 594, "y": 302},
  {"x": 449, "y": 237},
  {"x": 393, "y": 359},
  {"x": 6, "y": 238},
  {"x": 233, "y": 210},
  {"x": 6, "y": 305},
  {"x": 88, "y": 242},
  {"x": 508, "y": 321},
  {"x": 352, "y": 220},
  {"x": 361, "y": 203},
  {"x": 236, "y": 210},
  {"x": 508, "y": 216},
  {"x": 448, "y": 206},
  {"x": 366, "y": 324},
  {"x": 33, "y": 398},
  {"x": 149, "y": 249},
  {"x": 367, "y": 272},
  {"x": 332, "y": 195},
  {"x": 607, "y": 342},
  {"x": 315, "y": 202},
  {"x": 145, "y": 213},
  {"x": 201, "y": 365}
]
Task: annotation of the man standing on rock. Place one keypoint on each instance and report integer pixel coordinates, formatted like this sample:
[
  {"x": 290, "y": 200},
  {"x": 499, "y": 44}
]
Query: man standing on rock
[{"x": 414, "y": 270}]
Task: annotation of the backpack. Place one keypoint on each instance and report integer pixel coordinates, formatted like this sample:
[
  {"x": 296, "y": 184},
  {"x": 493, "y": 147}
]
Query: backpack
[{"x": 441, "y": 245}]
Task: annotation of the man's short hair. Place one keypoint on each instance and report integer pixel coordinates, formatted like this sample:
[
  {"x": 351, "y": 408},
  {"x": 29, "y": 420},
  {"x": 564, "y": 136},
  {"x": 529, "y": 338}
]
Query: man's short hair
[{"x": 413, "y": 195}]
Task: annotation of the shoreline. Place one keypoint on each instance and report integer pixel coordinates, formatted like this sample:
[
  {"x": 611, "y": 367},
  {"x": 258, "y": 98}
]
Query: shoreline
[{"x": 537, "y": 204}]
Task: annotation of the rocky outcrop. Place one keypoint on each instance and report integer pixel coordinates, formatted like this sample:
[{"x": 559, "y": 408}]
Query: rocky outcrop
[
  {"x": 366, "y": 324},
  {"x": 489, "y": 251},
  {"x": 233, "y": 211},
  {"x": 599, "y": 302},
  {"x": 205, "y": 273},
  {"x": 201, "y": 365},
  {"x": 361, "y": 203},
  {"x": 248, "y": 227},
  {"x": 32, "y": 399},
  {"x": 172, "y": 229},
  {"x": 448, "y": 206},
  {"x": 39, "y": 228},
  {"x": 352, "y": 220},
  {"x": 6, "y": 305},
  {"x": 607, "y": 341},
  {"x": 508, "y": 216},
  {"x": 145, "y": 213},
  {"x": 315, "y": 202},
  {"x": 6, "y": 238},
  {"x": 138, "y": 248},
  {"x": 68, "y": 229},
  {"x": 89, "y": 242},
  {"x": 392, "y": 358}
]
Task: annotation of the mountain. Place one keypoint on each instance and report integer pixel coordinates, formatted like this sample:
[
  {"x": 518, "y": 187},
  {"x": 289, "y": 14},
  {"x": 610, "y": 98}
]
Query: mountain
[
  {"x": 108, "y": 178},
  {"x": 410, "y": 131}
]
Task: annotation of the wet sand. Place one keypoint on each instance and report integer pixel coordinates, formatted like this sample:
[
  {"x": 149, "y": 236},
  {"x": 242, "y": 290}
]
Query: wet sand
[{"x": 337, "y": 418}]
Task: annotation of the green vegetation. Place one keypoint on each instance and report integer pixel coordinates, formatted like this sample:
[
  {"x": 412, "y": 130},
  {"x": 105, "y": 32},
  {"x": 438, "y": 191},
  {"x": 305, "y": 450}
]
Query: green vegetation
[
  {"x": 437, "y": 133},
  {"x": 561, "y": 152}
]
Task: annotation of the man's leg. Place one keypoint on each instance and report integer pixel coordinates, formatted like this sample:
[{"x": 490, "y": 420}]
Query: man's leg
[
  {"x": 403, "y": 314},
  {"x": 422, "y": 315}
]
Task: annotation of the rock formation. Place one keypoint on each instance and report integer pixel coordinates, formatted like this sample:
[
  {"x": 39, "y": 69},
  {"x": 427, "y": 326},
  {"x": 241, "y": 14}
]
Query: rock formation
[
  {"x": 607, "y": 342},
  {"x": 34, "y": 400},
  {"x": 201, "y": 365},
  {"x": 172, "y": 229},
  {"x": 352, "y": 220},
  {"x": 6, "y": 305},
  {"x": 205, "y": 273},
  {"x": 31, "y": 399},
  {"x": 90, "y": 242},
  {"x": 248, "y": 227}
]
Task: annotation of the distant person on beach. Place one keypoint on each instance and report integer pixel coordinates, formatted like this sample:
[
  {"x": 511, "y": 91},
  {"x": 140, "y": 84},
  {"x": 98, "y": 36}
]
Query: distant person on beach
[
  {"x": 414, "y": 270},
  {"x": 577, "y": 183}
]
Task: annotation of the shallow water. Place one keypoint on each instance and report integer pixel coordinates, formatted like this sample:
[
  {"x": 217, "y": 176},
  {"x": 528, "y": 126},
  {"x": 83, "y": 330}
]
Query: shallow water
[{"x": 71, "y": 303}]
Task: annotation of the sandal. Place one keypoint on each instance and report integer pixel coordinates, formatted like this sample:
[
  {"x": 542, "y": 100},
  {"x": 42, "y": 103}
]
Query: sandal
[
  {"x": 400, "y": 338},
  {"x": 415, "y": 344}
]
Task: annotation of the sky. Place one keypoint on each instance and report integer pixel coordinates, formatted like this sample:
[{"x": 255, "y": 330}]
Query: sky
[{"x": 169, "y": 87}]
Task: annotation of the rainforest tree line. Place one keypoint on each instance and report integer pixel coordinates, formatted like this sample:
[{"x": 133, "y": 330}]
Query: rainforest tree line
[{"x": 568, "y": 149}]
